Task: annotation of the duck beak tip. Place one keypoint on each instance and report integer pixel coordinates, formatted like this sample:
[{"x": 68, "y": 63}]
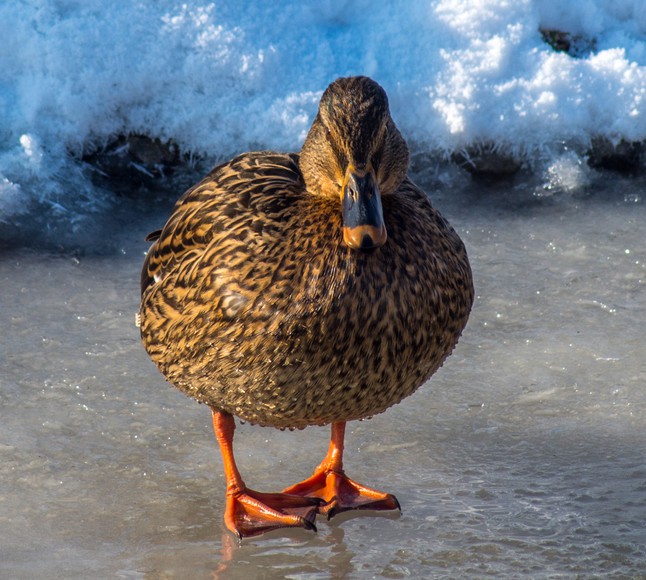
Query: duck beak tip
[{"x": 363, "y": 219}]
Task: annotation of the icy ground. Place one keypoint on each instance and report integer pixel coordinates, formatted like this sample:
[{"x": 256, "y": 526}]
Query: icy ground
[{"x": 524, "y": 455}]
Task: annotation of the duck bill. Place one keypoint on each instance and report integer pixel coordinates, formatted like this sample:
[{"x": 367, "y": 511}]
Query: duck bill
[{"x": 363, "y": 216}]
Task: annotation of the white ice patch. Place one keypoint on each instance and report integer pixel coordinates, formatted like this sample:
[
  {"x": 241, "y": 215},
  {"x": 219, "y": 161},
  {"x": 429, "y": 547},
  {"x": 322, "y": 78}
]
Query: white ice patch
[
  {"x": 33, "y": 152},
  {"x": 568, "y": 173},
  {"x": 9, "y": 197}
]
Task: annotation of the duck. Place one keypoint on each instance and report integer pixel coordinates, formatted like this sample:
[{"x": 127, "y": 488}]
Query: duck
[{"x": 300, "y": 289}]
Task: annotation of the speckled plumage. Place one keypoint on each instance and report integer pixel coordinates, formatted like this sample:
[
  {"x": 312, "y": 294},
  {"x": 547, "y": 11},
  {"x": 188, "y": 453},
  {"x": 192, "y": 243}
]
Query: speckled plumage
[{"x": 252, "y": 304}]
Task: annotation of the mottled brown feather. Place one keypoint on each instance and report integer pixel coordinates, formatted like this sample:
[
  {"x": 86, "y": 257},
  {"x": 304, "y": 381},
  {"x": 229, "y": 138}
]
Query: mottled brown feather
[{"x": 252, "y": 303}]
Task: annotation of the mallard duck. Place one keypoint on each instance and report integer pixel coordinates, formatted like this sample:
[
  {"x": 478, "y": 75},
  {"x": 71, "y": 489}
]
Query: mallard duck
[{"x": 293, "y": 290}]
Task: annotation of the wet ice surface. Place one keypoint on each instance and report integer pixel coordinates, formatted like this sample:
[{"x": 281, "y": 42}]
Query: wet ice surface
[{"x": 523, "y": 456}]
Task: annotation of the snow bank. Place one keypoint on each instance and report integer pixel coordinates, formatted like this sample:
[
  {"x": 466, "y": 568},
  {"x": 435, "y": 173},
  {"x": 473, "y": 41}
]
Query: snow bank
[{"x": 221, "y": 77}]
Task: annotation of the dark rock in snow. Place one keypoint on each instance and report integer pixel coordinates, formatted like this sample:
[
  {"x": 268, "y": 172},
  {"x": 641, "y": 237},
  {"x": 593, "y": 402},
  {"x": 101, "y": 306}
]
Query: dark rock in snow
[
  {"x": 486, "y": 161},
  {"x": 135, "y": 160},
  {"x": 625, "y": 156}
]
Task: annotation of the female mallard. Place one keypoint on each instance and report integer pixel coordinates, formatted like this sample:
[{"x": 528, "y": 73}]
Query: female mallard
[{"x": 305, "y": 290}]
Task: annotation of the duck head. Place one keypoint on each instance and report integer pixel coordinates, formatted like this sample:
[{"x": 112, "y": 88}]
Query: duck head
[{"x": 355, "y": 153}]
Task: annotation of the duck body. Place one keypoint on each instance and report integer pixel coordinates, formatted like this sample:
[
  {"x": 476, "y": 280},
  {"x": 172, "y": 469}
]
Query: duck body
[
  {"x": 305, "y": 289},
  {"x": 253, "y": 304}
]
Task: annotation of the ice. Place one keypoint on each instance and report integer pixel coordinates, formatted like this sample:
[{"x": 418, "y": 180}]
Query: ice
[
  {"x": 523, "y": 456},
  {"x": 566, "y": 174}
]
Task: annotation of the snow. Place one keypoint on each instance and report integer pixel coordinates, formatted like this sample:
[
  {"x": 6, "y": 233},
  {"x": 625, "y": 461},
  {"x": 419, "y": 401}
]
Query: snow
[{"x": 218, "y": 78}]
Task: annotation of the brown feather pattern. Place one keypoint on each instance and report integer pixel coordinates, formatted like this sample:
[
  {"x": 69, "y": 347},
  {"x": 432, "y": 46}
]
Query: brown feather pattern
[{"x": 252, "y": 304}]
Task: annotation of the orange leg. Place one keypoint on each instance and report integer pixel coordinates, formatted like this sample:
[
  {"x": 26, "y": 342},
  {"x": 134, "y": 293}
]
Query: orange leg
[
  {"x": 249, "y": 512},
  {"x": 339, "y": 492}
]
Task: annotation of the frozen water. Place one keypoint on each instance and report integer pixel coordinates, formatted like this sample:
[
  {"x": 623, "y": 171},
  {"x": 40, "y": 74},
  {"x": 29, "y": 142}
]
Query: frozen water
[{"x": 523, "y": 456}]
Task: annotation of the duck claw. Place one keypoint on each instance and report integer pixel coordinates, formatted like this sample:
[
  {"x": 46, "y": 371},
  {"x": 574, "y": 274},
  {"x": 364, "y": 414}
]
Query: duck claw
[
  {"x": 336, "y": 506},
  {"x": 251, "y": 513},
  {"x": 339, "y": 493}
]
